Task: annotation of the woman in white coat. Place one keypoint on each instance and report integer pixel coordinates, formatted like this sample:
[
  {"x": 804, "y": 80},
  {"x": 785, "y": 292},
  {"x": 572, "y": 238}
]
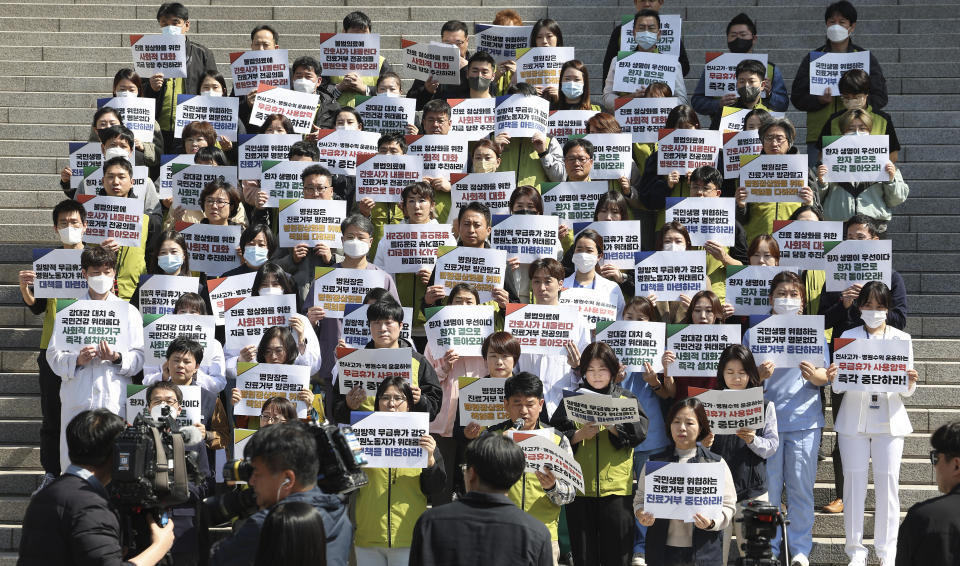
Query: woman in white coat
[{"x": 873, "y": 426}]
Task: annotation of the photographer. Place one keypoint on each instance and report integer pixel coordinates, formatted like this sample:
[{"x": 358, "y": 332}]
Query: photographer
[
  {"x": 72, "y": 522},
  {"x": 285, "y": 466}
]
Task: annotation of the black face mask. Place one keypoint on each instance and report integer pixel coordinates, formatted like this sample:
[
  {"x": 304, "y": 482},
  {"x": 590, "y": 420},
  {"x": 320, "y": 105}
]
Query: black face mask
[
  {"x": 740, "y": 45},
  {"x": 525, "y": 211},
  {"x": 479, "y": 84}
]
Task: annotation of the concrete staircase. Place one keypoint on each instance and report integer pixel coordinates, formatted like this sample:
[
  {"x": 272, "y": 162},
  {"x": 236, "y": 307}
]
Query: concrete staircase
[{"x": 58, "y": 56}]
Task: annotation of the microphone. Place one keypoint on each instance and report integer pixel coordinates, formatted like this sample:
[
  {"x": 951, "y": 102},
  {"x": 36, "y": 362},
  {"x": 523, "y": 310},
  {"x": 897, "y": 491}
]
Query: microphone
[{"x": 518, "y": 424}]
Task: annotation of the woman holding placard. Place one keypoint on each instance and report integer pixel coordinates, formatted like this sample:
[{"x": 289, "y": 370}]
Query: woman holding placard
[
  {"x": 704, "y": 308},
  {"x": 588, "y": 268},
  {"x": 873, "y": 425},
  {"x": 171, "y": 257},
  {"x": 257, "y": 244},
  {"x": 526, "y": 199},
  {"x": 546, "y": 33},
  {"x": 126, "y": 84}
]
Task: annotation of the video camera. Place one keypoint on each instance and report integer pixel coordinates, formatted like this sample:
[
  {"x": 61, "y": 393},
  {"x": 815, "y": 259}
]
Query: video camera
[{"x": 760, "y": 523}]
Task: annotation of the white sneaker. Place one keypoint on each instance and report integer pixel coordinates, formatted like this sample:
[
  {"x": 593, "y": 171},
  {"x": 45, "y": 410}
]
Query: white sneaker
[
  {"x": 47, "y": 480},
  {"x": 800, "y": 560},
  {"x": 638, "y": 560}
]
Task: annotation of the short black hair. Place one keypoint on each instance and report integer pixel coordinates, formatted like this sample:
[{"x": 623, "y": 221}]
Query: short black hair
[
  {"x": 877, "y": 291},
  {"x": 286, "y": 337},
  {"x": 97, "y": 257},
  {"x": 496, "y": 459},
  {"x": 306, "y": 61},
  {"x": 273, "y": 269},
  {"x": 482, "y": 57},
  {"x": 806, "y": 208},
  {"x": 393, "y": 137},
  {"x": 66, "y": 206},
  {"x": 103, "y": 110},
  {"x": 119, "y": 162},
  {"x": 169, "y": 386},
  {"x": 217, "y": 76},
  {"x": 478, "y": 207},
  {"x": 694, "y": 404},
  {"x": 645, "y": 13},
  {"x": 153, "y": 266},
  {"x": 91, "y": 436},
  {"x": 437, "y": 105},
  {"x": 386, "y": 308},
  {"x": 707, "y": 175},
  {"x": 751, "y": 66},
  {"x": 214, "y": 154},
  {"x": 118, "y": 131},
  {"x": 357, "y": 19},
  {"x": 262, "y": 27},
  {"x": 844, "y": 8},
  {"x": 175, "y": 9},
  {"x": 184, "y": 345},
  {"x": 286, "y": 446},
  {"x": 316, "y": 170},
  {"x": 552, "y": 26},
  {"x": 854, "y": 81},
  {"x": 304, "y": 148},
  {"x": 857, "y": 219},
  {"x": 191, "y": 300},
  {"x": 742, "y": 354},
  {"x": 744, "y": 20},
  {"x": 946, "y": 439},
  {"x": 454, "y": 25},
  {"x": 586, "y": 144},
  {"x": 523, "y": 383}
]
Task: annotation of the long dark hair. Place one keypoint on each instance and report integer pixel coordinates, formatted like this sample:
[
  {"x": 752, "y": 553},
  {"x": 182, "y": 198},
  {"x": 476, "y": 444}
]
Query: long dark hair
[
  {"x": 742, "y": 354},
  {"x": 176, "y": 237},
  {"x": 292, "y": 535}
]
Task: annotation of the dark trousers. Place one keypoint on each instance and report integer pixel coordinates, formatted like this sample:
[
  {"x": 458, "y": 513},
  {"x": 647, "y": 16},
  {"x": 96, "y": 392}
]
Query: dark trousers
[
  {"x": 601, "y": 530},
  {"x": 50, "y": 410},
  {"x": 678, "y": 556},
  {"x": 448, "y": 451},
  {"x": 835, "y": 400}
]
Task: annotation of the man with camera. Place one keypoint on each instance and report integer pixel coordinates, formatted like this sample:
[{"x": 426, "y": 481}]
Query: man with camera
[
  {"x": 71, "y": 521},
  {"x": 283, "y": 466}
]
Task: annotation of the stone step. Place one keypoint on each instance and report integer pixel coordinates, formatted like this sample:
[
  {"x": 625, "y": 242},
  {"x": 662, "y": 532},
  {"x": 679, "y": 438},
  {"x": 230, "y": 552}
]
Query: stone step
[
  {"x": 19, "y": 360},
  {"x": 922, "y": 420},
  {"x": 18, "y": 482},
  {"x": 831, "y": 524},
  {"x": 19, "y": 457},
  {"x": 12, "y": 507},
  {"x": 19, "y": 407},
  {"x": 17, "y": 315},
  {"x": 21, "y": 431},
  {"x": 19, "y": 384}
]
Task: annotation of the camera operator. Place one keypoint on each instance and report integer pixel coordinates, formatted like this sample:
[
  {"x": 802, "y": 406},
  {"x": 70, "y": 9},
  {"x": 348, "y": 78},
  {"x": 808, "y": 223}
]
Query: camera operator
[
  {"x": 285, "y": 466},
  {"x": 72, "y": 522}
]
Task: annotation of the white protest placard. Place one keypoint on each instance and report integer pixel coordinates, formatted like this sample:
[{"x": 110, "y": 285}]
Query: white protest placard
[
  {"x": 391, "y": 440},
  {"x": 634, "y": 70},
  {"x": 435, "y": 60},
  {"x": 874, "y": 366},
  {"x": 213, "y": 249},
  {"x": 679, "y": 491},
  {"x": 461, "y": 328},
  {"x": 773, "y": 178},
  {"x": 282, "y": 180},
  {"x": 383, "y": 176},
  {"x": 732, "y": 118},
  {"x": 671, "y": 274},
  {"x": 484, "y": 268},
  {"x": 408, "y": 248},
  {"x": 259, "y": 382},
  {"x": 219, "y": 111},
  {"x": 311, "y": 222},
  {"x": 481, "y": 400},
  {"x": 299, "y": 107},
  {"x": 735, "y": 144},
  {"x": 189, "y": 405},
  {"x": 245, "y": 319},
  {"x": 683, "y": 150},
  {"x": 339, "y": 149},
  {"x": 730, "y": 410},
  {"x": 542, "y": 329},
  {"x": 705, "y": 218},
  {"x": 856, "y": 159},
  {"x": 719, "y": 73},
  {"x": 119, "y": 218},
  {"x": 642, "y": 118},
  {"x": 165, "y": 179},
  {"x": 563, "y": 124},
  {"x": 58, "y": 274},
  {"x": 88, "y": 322},
  {"x": 827, "y": 68},
  {"x": 252, "y": 68},
  {"x": 159, "y": 293},
  {"x": 136, "y": 113},
  {"x": 501, "y": 42},
  {"x": 367, "y": 368},
  {"x": 540, "y": 66},
  {"x": 621, "y": 240},
  {"x": 443, "y": 155},
  {"x": 801, "y": 241},
  {"x": 355, "y": 330},
  {"x": 335, "y": 287},
  {"x": 540, "y": 450},
  {"x": 190, "y": 179},
  {"x": 855, "y": 262},
  {"x": 253, "y": 149},
  {"x": 593, "y": 304},
  {"x": 669, "y": 42},
  {"x": 572, "y": 201},
  {"x": 787, "y": 339},
  {"x": 344, "y": 53},
  {"x": 223, "y": 288},
  {"x": 161, "y": 329},
  {"x": 613, "y": 155},
  {"x": 157, "y": 53},
  {"x": 697, "y": 347},
  {"x": 584, "y": 407},
  {"x": 92, "y": 182},
  {"x": 748, "y": 287},
  {"x": 492, "y": 189},
  {"x": 521, "y": 116},
  {"x": 527, "y": 237},
  {"x": 83, "y": 155},
  {"x": 472, "y": 118},
  {"x": 635, "y": 343},
  {"x": 384, "y": 114}
]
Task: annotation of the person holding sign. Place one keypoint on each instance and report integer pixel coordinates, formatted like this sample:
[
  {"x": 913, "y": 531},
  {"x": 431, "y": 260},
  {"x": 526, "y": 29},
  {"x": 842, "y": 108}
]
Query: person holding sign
[
  {"x": 257, "y": 244},
  {"x": 305, "y": 77},
  {"x": 672, "y": 541},
  {"x": 535, "y": 160},
  {"x": 126, "y": 84},
  {"x": 751, "y": 77},
  {"x": 578, "y": 154},
  {"x": 872, "y": 425},
  {"x": 546, "y": 33},
  {"x": 854, "y": 89},
  {"x": 587, "y": 260},
  {"x": 220, "y": 201},
  {"x": 170, "y": 258},
  {"x": 526, "y": 199},
  {"x": 452, "y": 32},
  {"x": 574, "y": 88},
  {"x": 345, "y": 88},
  {"x": 600, "y": 521},
  {"x": 614, "y": 45},
  {"x": 501, "y": 353},
  {"x": 705, "y": 308}
]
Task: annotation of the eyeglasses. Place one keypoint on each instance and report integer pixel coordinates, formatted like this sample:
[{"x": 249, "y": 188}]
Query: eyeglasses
[
  {"x": 701, "y": 189},
  {"x": 266, "y": 418},
  {"x": 278, "y": 351},
  {"x": 577, "y": 159},
  {"x": 216, "y": 202},
  {"x": 396, "y": 399},
  {"x": 316, "y": 190},
  {"x": 775, "y": 139}
]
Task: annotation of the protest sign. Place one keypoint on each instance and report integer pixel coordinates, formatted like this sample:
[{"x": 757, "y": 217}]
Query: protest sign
[
  {"x": 235, "y": 286},
  {"x": 621, "y": 240},
  {"x": 92, "y": 182},
  {"x": 801, "y": 241},
  {"x": 384, "y": 114},
  {"x": 58, "y": 274},
  {"x": 521, "y": 116},
  {"x": 827, "y": 68},
  {"x": 245, "y": 319},
  {"x": 219, "y": 111},
  {"x": 540, "y": 66},
  {"x": 367, "y": 368},
  {"x": 683, "y": 150},
  {"x": 735, "y": 144},
  {"x": 542, "y": 329},
  {"x": 252, "y": 68},
  {"x": 856, "y": 159},
  {"x": 593, "y": 304},
  {"x": 562, "y": 124},
  {"x": 335, "y": 287},
  {"x": 705, "y": 218},
  {"x": 88, "y": 322},
  {"x": 189, "y": 405},
  {"x": 720, "y": 75},
  {"x": 540, "y": 450},
  {"x": 391, "y": 440},
  {"x": 679, "y": 491},
  {"x": 873, "y": 366},
  {"x": 773, "y": 178},
  {"x": 729, "y": 410},
  {"x": 311, "y": 222},
  {"x": 613, "y": 155},
  {"x": 671, "y": 274},
  {"x": 732, "y": 118},
  {"x": 408, "y": 248},
  {"x": 787, "y": 339},
  {"x": 282, "y": 180},
  {"x": 137, "y": 114},
  {"x": 240, "y": 438},
  {"x": 635, "y": 70},
  {"x": 527, "y": 237},
  {"x": 484, "y": 268},
  {"x": 299, "y": 107},
  {"x": 748, "y": 287},
  {"x": 189, "y": 181},
  {"x": 435, "y": 60},
  {"x": 119, "y": 218},
  {"x": 213, "y": 249},
  {"x": 481, "y": 400},
  {"x": 855, "y": 262},
  {"x": 83, "y": 155},
  {"x": 344, "y": 53},
  {"x": 697, "y": 347},
  {"x": 159, "y": 293},
  {"x": 161, "y": 329},
  {"x": 472, "y": 118},
  {"x": 585, "y": 406},
  {"x": 635, "y": 343},
  {"x": 382, "y": 176},
  {"x": 492, "y": 189},
  {"x": 643, "y": 118},
  {"x": 461, "y": 328},
  {"x": 501, "y": 42},
  {"x": 259, "y": 382},
  {"x": 669, "y": 42},
  {"x": 572, "y": 201},
  {"x": 442, "y": 155},
  {"x": 339, "y": 149},
  {"x": 253, "y": 149},
  {"x": 165, "y": 179},
  {"x": 156, "y": 53},
  {"x": 355, "y": 329}
]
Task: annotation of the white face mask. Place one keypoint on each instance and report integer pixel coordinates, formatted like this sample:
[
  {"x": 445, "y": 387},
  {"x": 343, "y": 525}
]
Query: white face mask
[
  {"x": 873, "y": 319},
  {"x": 270, "y": 291},
  {"x": 584, "y": 262},
  {"x": 837, "y": 33},
  {"x": 171, "y": 30},
  {"x": 674, "y": 247},
  {"x": 355, "y": 248},
  {"x": 156, "y": 413},
  {"x": 112, "y": 152},
  {"x": 351, "y": 127},
  {"x": 211, "y": 92},
  {"x": 126, "y": 94},
  {"x": 100, "y": 284},
  {"x": 304, "y": 85},
  {"x": 391, "y": 94},
  {"x": 787, "y": 305},
  {"x": 70, "y": 236}
]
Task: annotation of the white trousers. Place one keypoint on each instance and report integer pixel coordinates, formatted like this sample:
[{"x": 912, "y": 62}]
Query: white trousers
[
  {"x": 856, "y": 451},
  {"x": 736, "y": 528},
  {"x": 379, "y": 556}
]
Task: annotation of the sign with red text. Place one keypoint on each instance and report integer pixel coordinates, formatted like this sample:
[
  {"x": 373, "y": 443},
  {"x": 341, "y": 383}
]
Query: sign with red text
[
  {"x": 697, "y": 347},
  {"x": 735, "y": 144},
  {"x": 367, "y": 368},
  {"x": 484, "y": 268},
  {"x": 562, "y": 124},
  {"x": 635, "y": 70},
  {"x": 472, "y": 118},
  {"x": 827, "y": 68},
  {"x": 391, "y": 440},
  {"x": 855, "y": 262},
  {"x": 671, "y": 274},
  {"x": 259, "y": 382},
  {"x": 787, "y": 339},
  {"x": 245, "y": 319},
  {"x": 593, "y": 304},
  {"x": 773, "y": 178},
  {"x": 540, "y": 450},
  {"x": 382, "y": 176},
  {"x": 683, "y": 150},
  {"x": 720, "y": 75},
  {"x": 116, "y": 218},
  {"x": 613, "y": 155},
  {"x": 156, "y": 53},
  {"x": 253, "y": 149},
  {"x": 434, "y": 60},
  {"x": 339, "y": 149},
  {"x": 461, "y": 328},
  {"x": 801, "y": 241},
  {"x": 873, "y": 366},
  {"x": 584, "y": 407},
  {"x": 635, "y": 343},
  {"x": 408, "y": 248},
  {"x": 311, "y": 222},
  {"x": 213, "y": 249},
  {"x": 542, "y": 329},
  {"x": 521, "y": 116},
  {"x": 481, "y": 400},
  {"x": 159, "y": 293},
  {"x": 856, "y": 159},
  {"x": 344, "y": 53},
  {"x": 224, "y": 288},
  {"x": 252, "y": 68},
  {"x": 57, "y": 274},
  {"x": 643, "y": 118},
  {"x": 219, "y": 111},
  {"x": 540, "y": 66},
  {"x": 572, "y": 201},
  {"x": 299, "y": 107},
  {"x": 527, "y": 237},
  {"x": 705, "y": 218},
  {"x": 384, "y": 114},
  {"x": 442, "y": 155},
  {"x": 501, "y": 42},
  {"x": 679, "y": 491},
  {"x": 336, "y": 287},
  {"x": 730, "y": 410},
  {"x": 492, "y": 189},
  {"x": 136, "y": 113}
]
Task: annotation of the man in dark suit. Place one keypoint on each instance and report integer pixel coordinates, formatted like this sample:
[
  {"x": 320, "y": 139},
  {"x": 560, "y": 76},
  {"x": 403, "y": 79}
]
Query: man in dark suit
[{"x": 71, "y": 522}]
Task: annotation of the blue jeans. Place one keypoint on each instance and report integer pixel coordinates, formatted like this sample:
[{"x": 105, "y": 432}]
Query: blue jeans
[{"x": 794, "y": 467}]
